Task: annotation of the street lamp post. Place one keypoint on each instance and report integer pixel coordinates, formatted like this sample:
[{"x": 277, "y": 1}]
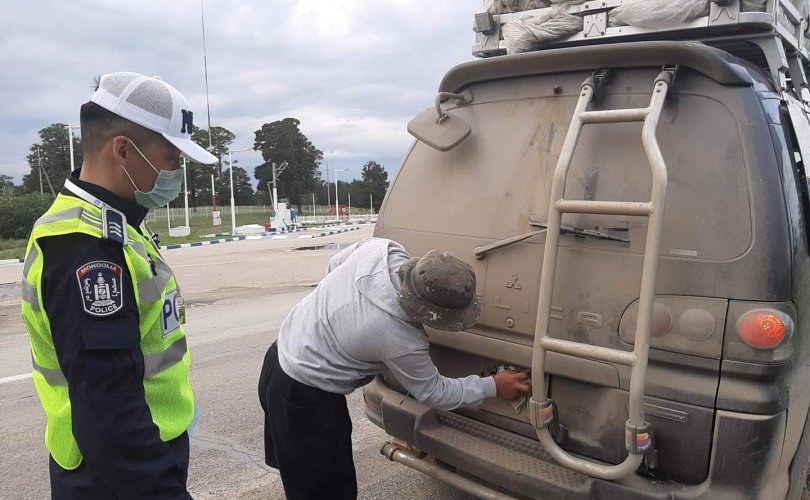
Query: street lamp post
[
  {"x": 213, "y": 191},
  {"x": 70, "y": 145},
  {"x": 185, "y": 184},
  {"x": 337, "y": 203},
  {"x": 230, "y": 170},
  {"x": 328, "y": 192}
]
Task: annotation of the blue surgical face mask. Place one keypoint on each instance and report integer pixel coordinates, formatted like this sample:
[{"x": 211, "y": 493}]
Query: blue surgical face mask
[{"x": 167, "y": 185}]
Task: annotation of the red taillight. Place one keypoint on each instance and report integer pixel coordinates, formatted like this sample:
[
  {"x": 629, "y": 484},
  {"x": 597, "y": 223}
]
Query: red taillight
[{"x": 764, "y": 328}]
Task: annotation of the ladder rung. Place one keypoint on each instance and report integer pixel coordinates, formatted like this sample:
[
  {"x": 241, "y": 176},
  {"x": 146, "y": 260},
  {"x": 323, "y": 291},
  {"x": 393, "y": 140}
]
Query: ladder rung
[
  {"x": 605, "y": 207},
  {"x": 615, "y": 116},
  {"x": 588, "y": 351}
]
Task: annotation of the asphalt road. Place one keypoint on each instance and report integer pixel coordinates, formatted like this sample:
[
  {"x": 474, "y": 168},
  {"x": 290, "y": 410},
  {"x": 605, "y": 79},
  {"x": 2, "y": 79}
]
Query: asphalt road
[{"x": 238, "y": 295}]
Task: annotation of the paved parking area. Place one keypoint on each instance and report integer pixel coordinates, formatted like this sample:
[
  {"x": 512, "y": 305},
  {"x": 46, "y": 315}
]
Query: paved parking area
[{"x": 238, "y": 295}]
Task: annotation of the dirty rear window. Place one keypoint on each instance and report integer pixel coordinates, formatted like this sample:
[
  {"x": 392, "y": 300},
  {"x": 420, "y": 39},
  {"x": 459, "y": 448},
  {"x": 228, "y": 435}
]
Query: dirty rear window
[{"x": 499, "y": 179}]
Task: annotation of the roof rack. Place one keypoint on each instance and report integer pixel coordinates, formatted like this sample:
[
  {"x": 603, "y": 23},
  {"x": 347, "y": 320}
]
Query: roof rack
[{"x": 773, "y": 36}]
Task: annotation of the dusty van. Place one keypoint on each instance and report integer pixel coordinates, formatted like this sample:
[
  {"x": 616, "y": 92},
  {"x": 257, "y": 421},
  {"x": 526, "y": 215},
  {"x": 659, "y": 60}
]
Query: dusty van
[{"x": 635, "y": 204}]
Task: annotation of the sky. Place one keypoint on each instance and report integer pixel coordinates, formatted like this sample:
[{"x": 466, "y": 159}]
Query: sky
[{"x": 353, "y": 72}]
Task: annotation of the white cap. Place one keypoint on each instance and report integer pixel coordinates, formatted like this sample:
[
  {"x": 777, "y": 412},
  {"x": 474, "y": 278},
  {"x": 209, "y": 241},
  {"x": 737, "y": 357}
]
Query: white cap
[{"x": 153, "y": 104}]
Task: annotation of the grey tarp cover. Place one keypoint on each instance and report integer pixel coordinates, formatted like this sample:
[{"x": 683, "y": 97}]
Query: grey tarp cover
[{"x": 553, "y": 22}]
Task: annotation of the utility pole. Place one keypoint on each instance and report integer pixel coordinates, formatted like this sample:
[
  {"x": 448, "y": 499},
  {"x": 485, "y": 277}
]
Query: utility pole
[
  {"x": 337, "y": 204},
  {"x": 205, "y": 66},
  {"x": 41, "y": 191},
  {"x": 47, "y": 177},
  {"x": 276, "y": 171},
  {"x": 371, "y": 203},
  {"x": 208, "y": 106},
  {"x": 275, "y": 189}
]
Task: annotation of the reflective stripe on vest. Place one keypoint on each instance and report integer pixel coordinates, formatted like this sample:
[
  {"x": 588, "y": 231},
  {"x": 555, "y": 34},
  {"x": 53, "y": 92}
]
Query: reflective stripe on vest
[
  {"x": 53, "y": 377},
  {"x": 152, "y": 290},
  {"x": 29, "y": 260},
  {"x": 71, "y": 213},
  {"x": 29, "y": 294},
  {"x": 29, "y": 291},
  {"x": 153, "y": 364},
  {"x": 148, "y": 290}
]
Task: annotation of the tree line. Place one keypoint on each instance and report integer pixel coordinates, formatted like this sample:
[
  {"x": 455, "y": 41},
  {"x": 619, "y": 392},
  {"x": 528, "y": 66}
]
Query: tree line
[{"x": 279, "y": 142}]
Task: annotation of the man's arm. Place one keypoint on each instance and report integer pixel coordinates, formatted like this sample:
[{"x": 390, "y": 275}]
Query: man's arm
[
  {"x": 101, "y": 359},
  {"x": 420, "y": 377}
]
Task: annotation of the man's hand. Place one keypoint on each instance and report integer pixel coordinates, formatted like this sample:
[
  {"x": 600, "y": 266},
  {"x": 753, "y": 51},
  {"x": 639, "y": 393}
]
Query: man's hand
[{"x": 511, "y": 385}]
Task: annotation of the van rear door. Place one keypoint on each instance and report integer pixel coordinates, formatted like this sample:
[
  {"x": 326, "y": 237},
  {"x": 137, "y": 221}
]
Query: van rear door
[{"x": 495, "y": 185}]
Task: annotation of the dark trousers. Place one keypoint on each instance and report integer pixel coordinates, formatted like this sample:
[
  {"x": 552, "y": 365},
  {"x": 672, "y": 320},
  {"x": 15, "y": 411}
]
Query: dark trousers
[
  {"x": 307, "y": 436},
  {"x": 82, "y": 484}
]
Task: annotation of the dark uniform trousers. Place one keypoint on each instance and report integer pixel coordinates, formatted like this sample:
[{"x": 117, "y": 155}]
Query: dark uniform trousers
[
  {"x": 82, "y": 484},
  {"x": 307, "y": 436}
]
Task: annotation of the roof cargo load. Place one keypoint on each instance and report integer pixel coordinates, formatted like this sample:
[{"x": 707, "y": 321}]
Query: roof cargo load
[{"x": 769, "y": 33}]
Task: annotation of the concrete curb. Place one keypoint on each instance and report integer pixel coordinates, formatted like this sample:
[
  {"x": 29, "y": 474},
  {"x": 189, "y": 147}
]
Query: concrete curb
[
  {"x": 265, "y": 233},
  {"x": 10, "y": 262},
  {"x": 329, "y": 233},
  {"x": 268, "y": 236},
  {"x": 202, "y": 243}
]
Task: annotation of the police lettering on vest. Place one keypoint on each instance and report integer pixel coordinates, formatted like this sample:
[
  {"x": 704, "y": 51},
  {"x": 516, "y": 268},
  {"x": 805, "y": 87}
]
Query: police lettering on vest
[{"x": 171, "y": 313}]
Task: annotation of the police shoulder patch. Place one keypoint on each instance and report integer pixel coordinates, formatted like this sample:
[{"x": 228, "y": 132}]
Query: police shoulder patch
[{"x": 100, "y": 287}]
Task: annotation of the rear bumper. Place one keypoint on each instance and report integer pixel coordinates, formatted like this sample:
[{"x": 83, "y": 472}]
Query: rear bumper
[{"x": 746, "y": 450}]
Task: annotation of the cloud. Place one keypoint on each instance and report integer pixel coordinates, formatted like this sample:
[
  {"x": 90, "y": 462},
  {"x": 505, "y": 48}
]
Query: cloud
[{"x": 354, "y": 72}]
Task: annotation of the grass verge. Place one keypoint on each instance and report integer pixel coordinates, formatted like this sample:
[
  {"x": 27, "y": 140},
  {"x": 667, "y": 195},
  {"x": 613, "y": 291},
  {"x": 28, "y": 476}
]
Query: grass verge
[{"x": 12, "y": 249}]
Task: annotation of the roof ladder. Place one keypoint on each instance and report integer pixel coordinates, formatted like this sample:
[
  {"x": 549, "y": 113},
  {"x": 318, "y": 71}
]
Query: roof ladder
[{"x": 638, "y": 433}]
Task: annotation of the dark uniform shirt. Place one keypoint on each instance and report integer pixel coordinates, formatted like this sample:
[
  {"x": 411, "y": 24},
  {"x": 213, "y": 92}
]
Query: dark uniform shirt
[{"x": 104, "y": 366}]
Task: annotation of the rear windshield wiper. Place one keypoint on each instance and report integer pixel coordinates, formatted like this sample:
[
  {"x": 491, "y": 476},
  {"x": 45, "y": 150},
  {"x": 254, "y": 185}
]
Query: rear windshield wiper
[
  {"x": 480, "y": 252},
  {"x": 585, "y": 233}
]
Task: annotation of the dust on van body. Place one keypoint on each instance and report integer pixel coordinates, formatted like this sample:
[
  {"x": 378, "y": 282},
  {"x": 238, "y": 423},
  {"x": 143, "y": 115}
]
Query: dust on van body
[{"x": 734, "y": 239}]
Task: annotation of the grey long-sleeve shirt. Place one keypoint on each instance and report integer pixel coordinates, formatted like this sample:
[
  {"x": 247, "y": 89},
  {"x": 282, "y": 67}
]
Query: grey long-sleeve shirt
[{"x": 351, "y": 328}]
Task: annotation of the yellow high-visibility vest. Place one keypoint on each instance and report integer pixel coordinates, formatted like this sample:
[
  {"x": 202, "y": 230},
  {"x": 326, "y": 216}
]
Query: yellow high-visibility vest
[{"x": 161, "y": 318}]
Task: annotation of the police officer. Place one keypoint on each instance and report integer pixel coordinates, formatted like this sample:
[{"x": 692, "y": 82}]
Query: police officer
[{"x": 102, "y": 308}]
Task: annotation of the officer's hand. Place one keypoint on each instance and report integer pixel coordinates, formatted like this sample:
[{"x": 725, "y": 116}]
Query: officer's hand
[{"x": 511, "y": 385}]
